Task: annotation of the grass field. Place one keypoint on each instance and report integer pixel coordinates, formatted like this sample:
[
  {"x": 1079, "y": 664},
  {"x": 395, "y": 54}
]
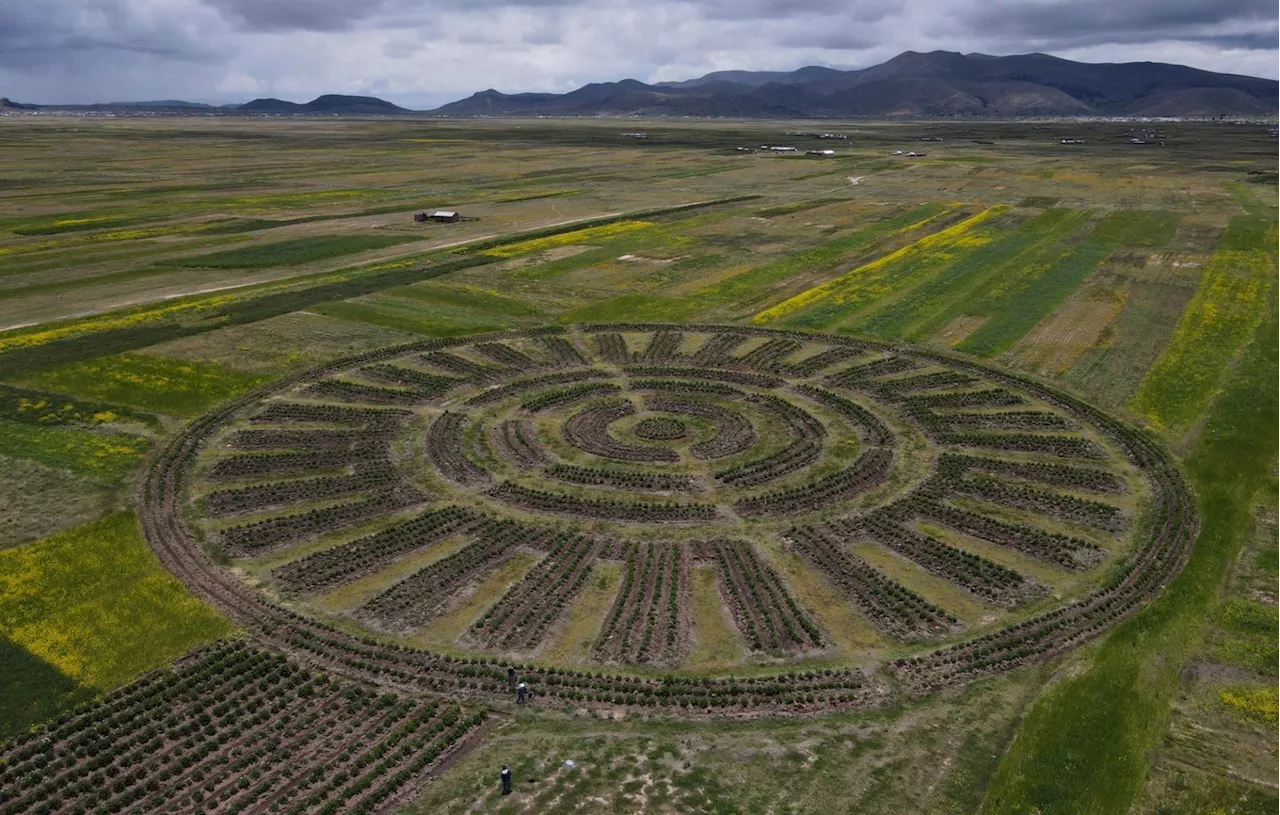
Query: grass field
[
  {"x": 149, "y": 383},
  {"x": 290, "y": 253},
  {"x": 1084, "y": 746},
  {"x": 40, "y": 500},
  {"x": 101, "y": 456},
  {"x": 151, "y": 269},
  {"x": 879, "y": 765}
]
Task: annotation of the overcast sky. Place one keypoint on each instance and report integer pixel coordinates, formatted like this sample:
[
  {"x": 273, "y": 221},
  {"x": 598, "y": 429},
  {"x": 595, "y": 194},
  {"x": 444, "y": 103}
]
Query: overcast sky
[{"x": 421, "y": 54}]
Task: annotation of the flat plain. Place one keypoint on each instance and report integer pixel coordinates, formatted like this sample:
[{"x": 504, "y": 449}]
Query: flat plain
[{"x": 151, "y": 270}]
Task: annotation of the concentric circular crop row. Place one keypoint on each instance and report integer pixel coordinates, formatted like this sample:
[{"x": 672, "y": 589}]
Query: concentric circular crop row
[{"x": 536, "y": 454}]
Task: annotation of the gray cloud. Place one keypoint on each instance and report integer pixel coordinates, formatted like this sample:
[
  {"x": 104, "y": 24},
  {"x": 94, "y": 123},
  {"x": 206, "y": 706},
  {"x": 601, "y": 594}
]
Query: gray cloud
[
  {"x": 830, "y": 11},
  {"x": 1091, "y": 22},
  {"x": 421, "y": 54},
  {"x": 37, "y": 35},
  {"x": 297, "y": 15}
]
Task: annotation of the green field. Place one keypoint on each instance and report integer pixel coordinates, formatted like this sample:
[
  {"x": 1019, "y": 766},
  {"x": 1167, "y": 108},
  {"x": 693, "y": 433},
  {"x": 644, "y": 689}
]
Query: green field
[
  {"x": 151, "y": 270},
  {"x": 148, "y": 383}
]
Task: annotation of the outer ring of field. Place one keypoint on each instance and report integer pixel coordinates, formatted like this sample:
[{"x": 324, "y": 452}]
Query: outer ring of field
[{"x": 1155, "y": 560}]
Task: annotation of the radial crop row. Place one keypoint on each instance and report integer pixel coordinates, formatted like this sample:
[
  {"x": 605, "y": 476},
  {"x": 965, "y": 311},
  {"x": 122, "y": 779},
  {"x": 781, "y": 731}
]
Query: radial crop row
[
  {"x": 663, "y": 347},
  {"x": 891, "y": 607},
  {"x": 717, "y": 349},
  {"x": 871, "y": 468},
  {"x": 301, "y": 412},
  {"x": 985, "y": 578},
  {"x": 766, "y": 614},
  {"x": 425, "y": 594},
  {"x": 521, "y": 619},
  {"x": 504, "y": 354},
  {"x": 496, "y": 394},
  {"x": 255, "y": 465},
  {"x": 374, "y": 475},
  {"x": 426, "y": 384},
  {"x": 651, "y": 609},
  {"x": 345, "y": 390},
  {"x": 1054, "y": 475},
  {"x": 261, "y": 537},
  {"x": 330, "y": 568}
]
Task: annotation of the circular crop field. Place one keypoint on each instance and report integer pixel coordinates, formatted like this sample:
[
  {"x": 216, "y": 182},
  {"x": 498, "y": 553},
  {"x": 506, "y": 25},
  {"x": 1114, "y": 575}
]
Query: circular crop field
[
  {"x": 668, "y": 516},
  {"x": 660, "y": 428}
]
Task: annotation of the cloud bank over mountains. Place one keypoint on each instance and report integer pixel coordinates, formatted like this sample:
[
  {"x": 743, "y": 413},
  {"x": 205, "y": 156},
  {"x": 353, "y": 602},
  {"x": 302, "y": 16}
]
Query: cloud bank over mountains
[{"x": 420, "y": 54}]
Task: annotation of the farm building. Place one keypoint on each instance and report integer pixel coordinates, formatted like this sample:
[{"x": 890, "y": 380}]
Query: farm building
[{"x": 441, "y": 216}]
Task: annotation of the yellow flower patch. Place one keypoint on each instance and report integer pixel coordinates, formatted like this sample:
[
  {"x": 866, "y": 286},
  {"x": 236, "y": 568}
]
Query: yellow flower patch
[
  {"x": 1257, "y": 703},
  {"x": 867, "y": 281},
  {"x": 590, "y": 233},
  {"x": 95, "y": 603},
  {"x": 107, "y": 322},
  {"x": 1232, "y": 300}
]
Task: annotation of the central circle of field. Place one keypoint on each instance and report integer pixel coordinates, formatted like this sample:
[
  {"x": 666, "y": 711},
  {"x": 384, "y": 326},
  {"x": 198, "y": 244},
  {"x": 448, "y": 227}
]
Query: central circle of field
[
  {"x": 660, "y": 429},
  {"x": 696, "y": 499}
]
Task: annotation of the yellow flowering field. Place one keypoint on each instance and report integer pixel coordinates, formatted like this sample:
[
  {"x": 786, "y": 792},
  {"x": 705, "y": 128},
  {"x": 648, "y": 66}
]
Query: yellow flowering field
[
  {"x": 1234, "y": 293},
  {"x": 872, "y": 280},
  {"x": 130, "y": 318},
  {"x": 95, "y": 602}
]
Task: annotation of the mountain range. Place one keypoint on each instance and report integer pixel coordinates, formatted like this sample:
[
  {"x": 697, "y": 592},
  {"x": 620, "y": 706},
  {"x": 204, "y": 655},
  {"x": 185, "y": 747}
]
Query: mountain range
[
  {"x": 939, "y": 83},
  {"x": 911, "y": 85}
]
